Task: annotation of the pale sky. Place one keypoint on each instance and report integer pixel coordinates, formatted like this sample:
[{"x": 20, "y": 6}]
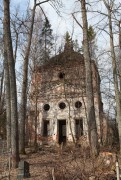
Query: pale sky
[
  {"x": 59, "y": 24},
  {"x": 66, "y": 23}
]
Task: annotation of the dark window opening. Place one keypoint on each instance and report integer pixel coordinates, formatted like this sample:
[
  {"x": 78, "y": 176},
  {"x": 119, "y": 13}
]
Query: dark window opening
[
  {"x": 62, "y": 105},
  {"x": 46, "y": 107},
  {"x": 78, "y": 128},
  {"x": 78, "y": 104},
  {"x": 45, "y": 128},
  {"x": 62, "y": 131},
  {"x": 61, "y": 75}
]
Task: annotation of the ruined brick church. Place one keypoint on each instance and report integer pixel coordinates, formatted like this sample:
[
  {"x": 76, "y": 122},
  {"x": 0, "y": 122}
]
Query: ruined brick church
[{"x": 58, "y": 92}]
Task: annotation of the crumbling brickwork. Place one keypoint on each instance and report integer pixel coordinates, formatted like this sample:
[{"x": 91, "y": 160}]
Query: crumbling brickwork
[{"x": 59, "y": 89}]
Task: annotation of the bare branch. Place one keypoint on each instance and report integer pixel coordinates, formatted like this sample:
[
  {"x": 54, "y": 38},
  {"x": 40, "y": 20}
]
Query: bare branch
[
  {"x": 77, "y": 20},
  {"x": 37, "y": 4}
]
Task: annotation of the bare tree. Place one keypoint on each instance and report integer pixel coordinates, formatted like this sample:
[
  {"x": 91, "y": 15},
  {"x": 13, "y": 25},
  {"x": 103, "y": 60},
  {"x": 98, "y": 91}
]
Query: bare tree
[
  {"x": 10, "y": 65},
  {"x": 25, "y": 76},
  {"x": 92, "y": 129},
  {"x": 7, "y": 97},
  {"x": 109, "y": 6},
  {"x": 25, "y": 81}
]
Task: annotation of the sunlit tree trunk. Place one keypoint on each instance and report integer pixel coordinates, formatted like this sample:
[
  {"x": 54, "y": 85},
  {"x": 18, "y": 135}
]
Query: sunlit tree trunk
[
  {"x": 13, "y": 93},
  {"x": 92, "y": 128},
  {"x": 7, "y": 98}
]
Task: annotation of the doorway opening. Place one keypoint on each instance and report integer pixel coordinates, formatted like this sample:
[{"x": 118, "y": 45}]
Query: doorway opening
[
  {"x": 62, "y": 131},
  {"x": 78, "y": 128}
]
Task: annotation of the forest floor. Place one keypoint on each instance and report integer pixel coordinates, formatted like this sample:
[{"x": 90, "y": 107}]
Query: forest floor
[{"x": 69, "y": 163}]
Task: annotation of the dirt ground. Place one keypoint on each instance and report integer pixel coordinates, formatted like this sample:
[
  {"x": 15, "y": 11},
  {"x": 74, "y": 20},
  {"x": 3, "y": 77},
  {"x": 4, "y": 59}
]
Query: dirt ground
[{"x": 69, "y": 163}]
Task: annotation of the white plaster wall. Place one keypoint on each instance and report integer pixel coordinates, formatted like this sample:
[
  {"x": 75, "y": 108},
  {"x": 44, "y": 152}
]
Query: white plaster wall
[{"x": 55, "y": 113}]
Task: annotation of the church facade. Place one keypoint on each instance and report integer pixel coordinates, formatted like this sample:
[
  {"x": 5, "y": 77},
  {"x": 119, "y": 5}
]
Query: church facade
[{"x": 58, "y": 96}]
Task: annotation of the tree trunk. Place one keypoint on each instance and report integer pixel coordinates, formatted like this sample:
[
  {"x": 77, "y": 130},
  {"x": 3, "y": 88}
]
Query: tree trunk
[
  {"x": 24, "y": 89},
  {"x": 13, "y": 93},
  {"x": 25, "y": 81},
  {"x": 120, "y": 57},
  {"x": 7, "y": 99},
  {"x": 69, "y": 112},
  {"x": 92, "y": 128},
  {"x": 115, "y": 74},
  {"x": 35, "y": 139}
]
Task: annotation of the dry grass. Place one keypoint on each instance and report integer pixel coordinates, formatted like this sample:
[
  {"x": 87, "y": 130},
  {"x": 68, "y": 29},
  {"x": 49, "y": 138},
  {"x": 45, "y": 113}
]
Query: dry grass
[{"x": 68, "y": 164}]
